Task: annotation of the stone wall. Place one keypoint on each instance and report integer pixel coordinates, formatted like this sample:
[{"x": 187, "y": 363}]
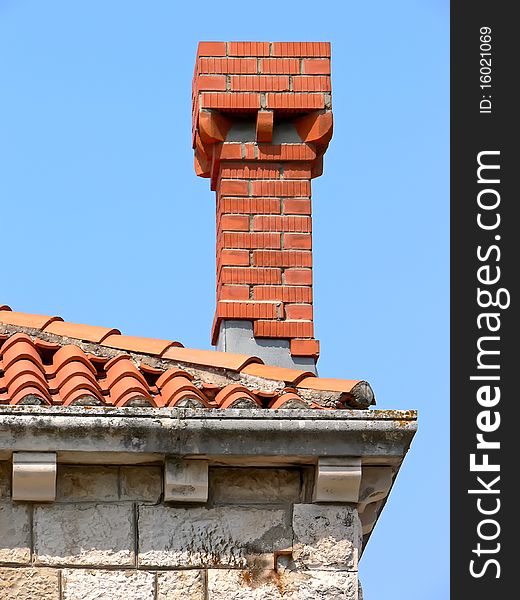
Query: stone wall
[{"x": 109, "y": 536}]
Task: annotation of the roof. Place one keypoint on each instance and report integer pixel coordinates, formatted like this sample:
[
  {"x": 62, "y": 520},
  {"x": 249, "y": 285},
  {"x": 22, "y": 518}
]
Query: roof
[{"x": 47, "y": 361}]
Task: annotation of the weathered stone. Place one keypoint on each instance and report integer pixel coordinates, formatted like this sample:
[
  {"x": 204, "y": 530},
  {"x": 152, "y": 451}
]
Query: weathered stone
[
  {"x": 254, "y": 486},
  {"x": 15, "y": 533},
  {"x": 79, "y": 584},
  {"x": 221, "y": 536},
  {"x": 86, "y": 483},
  {"x": 5, "y": 479},
  {"x": 326, "y": 537},
  {"x": 141, "y": 483},
  {"x": 84, "y": 534},
  {"x": 185, "y": 480},
  {"x": 180, "y": 585},
  {"x": 283, "y": 585},
  {"x": 29, "y": 584}
]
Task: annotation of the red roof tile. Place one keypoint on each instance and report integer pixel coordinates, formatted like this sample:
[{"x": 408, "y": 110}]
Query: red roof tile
[{"x": 44, "y": 360}]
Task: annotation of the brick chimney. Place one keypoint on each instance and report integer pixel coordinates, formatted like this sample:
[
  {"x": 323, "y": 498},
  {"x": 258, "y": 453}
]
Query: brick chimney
[{"x": 262, "y": 121}]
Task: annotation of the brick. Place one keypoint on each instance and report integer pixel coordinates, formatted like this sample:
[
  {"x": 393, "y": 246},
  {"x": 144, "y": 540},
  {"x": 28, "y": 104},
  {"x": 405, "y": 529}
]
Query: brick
[
  {"x": 308, "y": 101},
  {"x": 211, "y": 82},
  {"x": 283, "y": 329},
  {"x": 255, "y": 206},
  {"x": 29, "y": 584},
  {"x": 280, "y": 66},
  {"x": 87, "y": 483},
  {"x": 259, "y": 83},
  {"x": 234, "y": 101},
  {"x": 297, "y": 241},
  {"x": 243, "y": 170},
  {"x": 305, "y": 348},
  {"x": 234, "y": 258},
  {"x": 311, "y": 83},
  {"x": 140, "y": 483},
  {"x": 298, "y": 312},
  {"x": 297, "y": 171},
  {"x": 234, "y": 292},
  {"x": 226, "y": 535},
  {"x": 247, "y": 310},
  {"x": 282, "y": 293},
  {"x": 228, "y": 65},
  {"x": 301, "y": 49},
  {"x": 264, "y": 125},
  {"x": 84, "y": 534},
  {"x": 297, "y": 206},
  {"x": 81, "y": 584},
  {"x": 280, "y": 188},
  {"x": 286, "y": 152},
  {"x": 279, "y": 223},
  {"x": 281, "y": 258},
  {"x": 254, "y": 486},
  {"x": 298, "y": 276},
  {"x": 180, "y": 585},
  {"x": 211, "y": 49},
  {"x": 234, "y": 223},
  {"x": 15, "y": 533},
  {"x": 251, "y": 240},
  {"x": 250, "y": 275},
  {"x": 319, "y": 66},
  {"x": 228, "y": 187},
  {"x": 230, "y": 150},
  {"x": 248, "y": 49}
]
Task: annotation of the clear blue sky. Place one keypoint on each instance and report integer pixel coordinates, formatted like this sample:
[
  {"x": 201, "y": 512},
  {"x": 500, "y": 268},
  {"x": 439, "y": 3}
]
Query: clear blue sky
[{"x": 103, "y": 220}]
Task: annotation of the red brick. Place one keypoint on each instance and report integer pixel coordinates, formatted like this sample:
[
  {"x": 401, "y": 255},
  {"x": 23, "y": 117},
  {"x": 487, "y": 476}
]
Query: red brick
[
  {"x": 247, "y": 310},
  {"x": 250, "y": 275},
  {"x": 299, "y": 224},
  {"x": 298, "y": 276},
  {"x": 259, "y": 83},
  {"x": 257, "y": 206},
  {"x": 283, "y": 293},
  {"x": 280, "y": 188},
  {"x": 305, "y": 348},
  {"x": 298, "y": 312},
  {"x": 297, "y": 171},
  {"x": 234, "y": 223},
  {"x": 297, "y": 206},
  {"x": 301, "y": 49},
  {"x": 229, "y": 187},
  {"x": 228, "y": 65},
  {"x": 250, "y": 240},
  {"x": 295, "y": 101},
  {"x": 211, "y": 82},
  {"x": 234, "y": 292},
  {"x": 244, "y": 170},
  {"x": 231, "y": 151},
  {"x": 311, "y": 83},
  {"x": 211, "y": 49},
  {"x": 281, "y": 258},
  {"x": 316, "y": 66},
  {"x": 249, "y": 49},
  {"x": 297, "y": 241},
  {"x": 283, "y": 329},
  {"x": 285, "y": 152},
  {"x": 234, "y": 258},
  {"x": 235, "y": 101},
  {"x": 280, "y": 66}
]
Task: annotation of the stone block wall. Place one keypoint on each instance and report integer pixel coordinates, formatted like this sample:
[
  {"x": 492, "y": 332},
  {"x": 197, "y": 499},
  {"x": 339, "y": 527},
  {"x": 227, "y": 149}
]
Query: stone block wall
[{"x": 110, "y": 536}]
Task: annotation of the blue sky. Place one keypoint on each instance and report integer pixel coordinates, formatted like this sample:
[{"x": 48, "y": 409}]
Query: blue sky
[{"x": 103, "y": 220}]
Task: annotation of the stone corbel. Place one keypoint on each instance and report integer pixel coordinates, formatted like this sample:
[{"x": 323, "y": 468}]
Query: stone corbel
[
  {"x": 342, "y": 480},
  {"x": 34, "y": 476},
  {"x": 337, "y": 479},
  {"x": 185, "y": 480}
]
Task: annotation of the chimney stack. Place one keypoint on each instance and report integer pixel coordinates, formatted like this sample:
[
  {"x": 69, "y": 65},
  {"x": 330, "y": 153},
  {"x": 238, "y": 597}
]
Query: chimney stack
[{"x": 262, "y": 121}]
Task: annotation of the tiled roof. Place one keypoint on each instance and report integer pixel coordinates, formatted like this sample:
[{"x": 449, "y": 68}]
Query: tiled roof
[{"x": 45, "y": 360}]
